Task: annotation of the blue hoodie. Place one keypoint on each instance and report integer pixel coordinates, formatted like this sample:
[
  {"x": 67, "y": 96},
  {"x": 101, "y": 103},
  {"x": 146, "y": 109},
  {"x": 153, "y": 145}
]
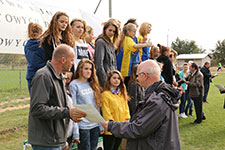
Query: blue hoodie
[{"x": 35, "y": 57}]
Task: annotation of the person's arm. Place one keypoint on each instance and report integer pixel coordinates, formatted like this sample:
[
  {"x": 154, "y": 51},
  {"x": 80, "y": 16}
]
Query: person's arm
[
  {"x": 141, "y": 45},
  {"x": 100, "y": 48},
  {"x": 48, "y": 49},
  {"x": 149, "y": 120},
  {"x": 40, "y": 97},
  {"x": 106, "y": 108},
  {"x": 206, "y": 73},
  {"x": 197, "y": 82}
]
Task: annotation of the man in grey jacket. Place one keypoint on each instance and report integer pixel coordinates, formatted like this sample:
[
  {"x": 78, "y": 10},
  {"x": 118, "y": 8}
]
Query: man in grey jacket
[
  {"x": 49, "y": 112},
  {"x": 154, "y": 125}
]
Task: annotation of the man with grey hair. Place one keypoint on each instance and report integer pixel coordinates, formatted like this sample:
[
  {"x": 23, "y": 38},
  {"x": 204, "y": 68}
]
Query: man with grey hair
[
  {"x": 154, "y": 125},
  {"x": 49, "y": 112}
]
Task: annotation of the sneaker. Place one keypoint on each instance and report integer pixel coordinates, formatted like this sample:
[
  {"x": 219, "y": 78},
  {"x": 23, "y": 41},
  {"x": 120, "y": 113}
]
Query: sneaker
[{"x": 182, "y": 115}]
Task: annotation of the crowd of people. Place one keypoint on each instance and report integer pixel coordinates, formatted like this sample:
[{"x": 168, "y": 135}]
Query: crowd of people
[{"x": 136, "y": 86}]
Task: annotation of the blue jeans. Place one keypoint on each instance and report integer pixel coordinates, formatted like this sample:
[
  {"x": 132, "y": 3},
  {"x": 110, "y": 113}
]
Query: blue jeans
[
  {"x": 189, "y": 106},
  {"x": 183, "y": 99},
  {"x": 206, "y": 90},
  {"x": 37, "y": 147},
  {"x": 88, "y": 139}
]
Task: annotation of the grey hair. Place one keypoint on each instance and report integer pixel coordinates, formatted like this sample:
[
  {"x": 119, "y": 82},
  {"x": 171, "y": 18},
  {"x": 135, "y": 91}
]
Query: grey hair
[{"x": 151, "y": 67}]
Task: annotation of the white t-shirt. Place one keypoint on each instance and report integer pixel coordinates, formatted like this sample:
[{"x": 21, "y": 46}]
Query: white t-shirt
[{"x": 81, "y": 51}]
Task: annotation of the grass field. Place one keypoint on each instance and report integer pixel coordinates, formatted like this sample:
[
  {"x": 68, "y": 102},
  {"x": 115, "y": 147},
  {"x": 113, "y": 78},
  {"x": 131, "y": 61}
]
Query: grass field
[
  {"x": 13, "y": 84},
  {"x": 209, "y": 135}
]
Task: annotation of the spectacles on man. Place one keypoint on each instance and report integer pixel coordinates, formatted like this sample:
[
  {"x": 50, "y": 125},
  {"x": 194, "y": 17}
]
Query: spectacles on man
[{"x": 139, "y": 74}]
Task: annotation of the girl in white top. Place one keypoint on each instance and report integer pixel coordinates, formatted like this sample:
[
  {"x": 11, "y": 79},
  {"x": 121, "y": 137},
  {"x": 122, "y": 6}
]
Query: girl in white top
[{"x": 81, "y": 48}]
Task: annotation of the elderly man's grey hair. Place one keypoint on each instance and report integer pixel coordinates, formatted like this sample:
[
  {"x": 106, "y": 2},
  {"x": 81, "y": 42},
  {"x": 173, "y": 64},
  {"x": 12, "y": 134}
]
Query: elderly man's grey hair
[{"x": 150, "y": 67}]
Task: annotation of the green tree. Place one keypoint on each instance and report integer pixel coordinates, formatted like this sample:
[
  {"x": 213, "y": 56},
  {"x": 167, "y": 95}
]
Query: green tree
[
  {"x": 186, "y": 47},
  {"x": 219, "y": 52}
]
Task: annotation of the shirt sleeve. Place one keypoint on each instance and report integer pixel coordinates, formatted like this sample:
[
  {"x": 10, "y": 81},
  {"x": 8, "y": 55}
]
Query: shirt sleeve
[
  {"x": 73, "y": 92},
  {"x": 99, "y": 61},
  {"x": 130, "y": 45},
  {"x": 106, "y": 108}
]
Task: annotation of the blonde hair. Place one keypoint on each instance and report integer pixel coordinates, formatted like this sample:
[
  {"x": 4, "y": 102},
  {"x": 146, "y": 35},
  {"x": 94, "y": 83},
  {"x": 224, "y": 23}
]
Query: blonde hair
[
  {"x": 124, "y": 33},
  {"x": 34, "y": 30},
  {"x": 143, "y": 28}
]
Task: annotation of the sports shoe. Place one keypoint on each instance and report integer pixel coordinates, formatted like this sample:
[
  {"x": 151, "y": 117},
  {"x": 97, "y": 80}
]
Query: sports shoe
[{"x": 182, "y": 115}]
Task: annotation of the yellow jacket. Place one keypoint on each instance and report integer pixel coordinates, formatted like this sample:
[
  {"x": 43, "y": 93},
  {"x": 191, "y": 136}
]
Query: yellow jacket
[{"x": 114, "y": 107}]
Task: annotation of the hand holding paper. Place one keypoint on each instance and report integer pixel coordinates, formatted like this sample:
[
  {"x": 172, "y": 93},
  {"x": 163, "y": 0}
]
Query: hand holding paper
[
  {"x": 76, "y": 114},
  {"x": 92, "y": 114}
]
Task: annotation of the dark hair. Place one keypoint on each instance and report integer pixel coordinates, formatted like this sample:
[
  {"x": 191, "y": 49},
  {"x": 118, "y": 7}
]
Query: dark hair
[
  {"x": 206, "y": 63},
  {"x": 194, "y": 65},
  {"x": 133, "y": 73},
  {"x": 121, "y": 86},
  {"x": 163, "y": 49},
  {"x": 131, "y": 20}
]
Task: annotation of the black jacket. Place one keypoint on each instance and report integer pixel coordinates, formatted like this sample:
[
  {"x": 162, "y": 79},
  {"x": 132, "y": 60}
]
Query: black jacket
[
  {"x": 207, "y": 74},
  {"x": 167, "y": 69},
  {"x": 154, "y": 125}
]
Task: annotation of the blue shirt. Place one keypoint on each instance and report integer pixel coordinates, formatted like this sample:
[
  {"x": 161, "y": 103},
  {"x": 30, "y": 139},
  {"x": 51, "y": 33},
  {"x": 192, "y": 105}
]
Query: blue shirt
[{"x": 82, "y": 93}]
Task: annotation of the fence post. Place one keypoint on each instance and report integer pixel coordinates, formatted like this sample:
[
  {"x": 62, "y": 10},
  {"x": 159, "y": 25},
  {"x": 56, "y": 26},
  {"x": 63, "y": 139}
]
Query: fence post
[{"x": 20, "y": 79}]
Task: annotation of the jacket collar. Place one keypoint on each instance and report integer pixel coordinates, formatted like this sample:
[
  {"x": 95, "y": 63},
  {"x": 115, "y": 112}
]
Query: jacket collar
[{"x": 50, "y": 66}]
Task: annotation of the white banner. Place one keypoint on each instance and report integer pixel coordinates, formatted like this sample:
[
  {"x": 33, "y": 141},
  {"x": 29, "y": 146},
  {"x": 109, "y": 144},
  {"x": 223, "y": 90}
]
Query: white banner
[{"x": 15, "y": 17}]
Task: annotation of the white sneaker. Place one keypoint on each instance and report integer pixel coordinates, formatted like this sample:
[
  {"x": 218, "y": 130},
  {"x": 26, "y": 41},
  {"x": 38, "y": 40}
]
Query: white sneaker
[{"x": 184, "y": 115}]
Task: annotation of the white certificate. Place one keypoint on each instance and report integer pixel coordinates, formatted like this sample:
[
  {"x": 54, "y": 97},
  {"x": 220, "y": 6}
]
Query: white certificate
[
  {"x": 92, "y": 113},
  {"x": 220, "y": 86}
]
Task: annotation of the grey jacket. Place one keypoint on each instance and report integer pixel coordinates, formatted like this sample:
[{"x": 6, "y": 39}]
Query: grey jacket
[
  {"x": 154, "y": 125},
  {"x": 196, "y": 84},
  {"x": 47, "y": 125},
  {"x": 105, "y": 59}
]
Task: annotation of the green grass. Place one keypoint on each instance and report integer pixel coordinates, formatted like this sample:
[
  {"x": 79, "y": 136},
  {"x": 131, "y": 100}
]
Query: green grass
[
  {"x": 209, "y": 135},
  {"x": 13, "y": 84}
]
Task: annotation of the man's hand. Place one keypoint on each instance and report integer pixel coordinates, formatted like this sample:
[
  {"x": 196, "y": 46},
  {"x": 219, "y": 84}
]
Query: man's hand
[
  {"x": 77, "y": 119},
  {"x": 101, "y": 132},
  {"x": 76, "y": 141},
  {"x": 76, "y": 114},
  {"x": 105, "y": 125}
]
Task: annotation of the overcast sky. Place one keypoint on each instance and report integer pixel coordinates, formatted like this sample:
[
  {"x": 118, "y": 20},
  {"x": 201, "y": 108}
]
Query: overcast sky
[{"x": 199, "y": 20}]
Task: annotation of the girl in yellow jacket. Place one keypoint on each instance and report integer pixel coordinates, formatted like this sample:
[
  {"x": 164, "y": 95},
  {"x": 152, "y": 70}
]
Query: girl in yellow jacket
[{"x": 115, "y": 106}]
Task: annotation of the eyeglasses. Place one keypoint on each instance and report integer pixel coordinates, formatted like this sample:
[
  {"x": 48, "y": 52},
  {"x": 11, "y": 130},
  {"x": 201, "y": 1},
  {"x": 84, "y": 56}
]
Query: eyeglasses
[{"x": 139, "y": 74}]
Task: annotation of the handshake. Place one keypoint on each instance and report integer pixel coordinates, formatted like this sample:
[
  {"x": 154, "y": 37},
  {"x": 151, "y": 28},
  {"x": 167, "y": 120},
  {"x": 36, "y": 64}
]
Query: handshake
[{"x": 76, "y": 115}]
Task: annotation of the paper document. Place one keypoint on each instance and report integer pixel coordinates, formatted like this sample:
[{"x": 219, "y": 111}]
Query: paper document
[
  {"x": 92, "y": 113},
  {"x": 220, "y": 86},
  {"x": 215, "y": 75}
]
